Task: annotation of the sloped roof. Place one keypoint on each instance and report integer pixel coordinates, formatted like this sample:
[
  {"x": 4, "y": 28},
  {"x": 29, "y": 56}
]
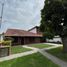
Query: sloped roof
[
  {"x": 33, "y": 28},
  {"x": 23, "y": 33}
]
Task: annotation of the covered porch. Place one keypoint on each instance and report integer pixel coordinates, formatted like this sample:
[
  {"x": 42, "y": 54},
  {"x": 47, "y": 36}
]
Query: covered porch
[{"x": 25, "y": 40}]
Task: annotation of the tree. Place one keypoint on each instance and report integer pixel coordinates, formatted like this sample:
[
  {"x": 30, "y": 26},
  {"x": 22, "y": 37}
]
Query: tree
[{"x": 54, "y": 20}]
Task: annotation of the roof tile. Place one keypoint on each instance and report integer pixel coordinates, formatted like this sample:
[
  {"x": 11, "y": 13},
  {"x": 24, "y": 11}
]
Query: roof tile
[{"x": 23, "y": 33}]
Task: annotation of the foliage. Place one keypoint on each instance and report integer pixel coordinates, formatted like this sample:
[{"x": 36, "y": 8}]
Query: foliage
[
  {"x": 48, "y": 35},
  {"x": 54, "y": 18},
  {"x": 5, "y": 42},
  {"x": 8, "y": 38}
]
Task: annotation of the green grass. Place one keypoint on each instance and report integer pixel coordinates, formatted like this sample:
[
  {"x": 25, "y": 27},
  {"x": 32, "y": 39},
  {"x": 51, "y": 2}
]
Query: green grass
[
  {"x": 33, "y": 60},
  {"x": 58, "y": 52},
  {"x": 40, "y": 46},
  {"x": 18, "y": 49}
]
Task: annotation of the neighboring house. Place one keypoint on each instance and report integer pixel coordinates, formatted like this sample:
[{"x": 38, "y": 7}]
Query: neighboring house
[
  {"x": 56, "y": 39},
  {"x": 23, "y": 37}
]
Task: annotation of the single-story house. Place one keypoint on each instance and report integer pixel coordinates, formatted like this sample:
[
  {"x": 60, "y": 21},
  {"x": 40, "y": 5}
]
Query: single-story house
[
  {"x": 21, "y": 37},
  {"x": 56, "y": 39},
  {"x": 35, "y": 30}
]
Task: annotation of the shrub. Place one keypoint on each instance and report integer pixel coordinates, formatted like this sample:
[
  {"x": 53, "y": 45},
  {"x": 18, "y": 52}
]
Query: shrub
[
  {"x": 5, "y": 43},
  {"x": 8, "y": 38}
]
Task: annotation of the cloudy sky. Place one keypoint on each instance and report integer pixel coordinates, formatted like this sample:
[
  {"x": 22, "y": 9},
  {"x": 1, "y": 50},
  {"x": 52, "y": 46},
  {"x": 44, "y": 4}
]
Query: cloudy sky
[{"x": 21, "y": 14}]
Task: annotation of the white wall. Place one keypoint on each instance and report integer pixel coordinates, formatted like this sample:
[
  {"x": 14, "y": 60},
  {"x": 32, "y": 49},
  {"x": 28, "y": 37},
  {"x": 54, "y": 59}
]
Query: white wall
[
  {"x": 34, "y": 30},
  {"x": 56, "y": 39}
]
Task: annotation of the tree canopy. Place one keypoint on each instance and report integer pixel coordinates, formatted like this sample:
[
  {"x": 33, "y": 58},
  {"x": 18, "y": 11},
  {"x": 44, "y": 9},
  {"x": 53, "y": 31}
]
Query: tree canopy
[{"x": 54, "y": 18}]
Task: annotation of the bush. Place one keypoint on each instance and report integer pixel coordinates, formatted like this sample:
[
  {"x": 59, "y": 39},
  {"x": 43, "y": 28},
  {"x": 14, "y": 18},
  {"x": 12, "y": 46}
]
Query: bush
[
  {"x": 48, "y": 35},
  {"x": 6, "y": 43},
  {"x": 8, "y": 38}
]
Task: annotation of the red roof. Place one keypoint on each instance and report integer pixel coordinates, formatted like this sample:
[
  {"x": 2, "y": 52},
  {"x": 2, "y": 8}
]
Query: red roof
[{"x": 23, "y": 33}]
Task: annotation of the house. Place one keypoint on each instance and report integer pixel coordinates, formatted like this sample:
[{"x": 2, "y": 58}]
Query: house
[
  {"x": 56, "y": 39},
  {"x": 23, "y": 37},
  {"x": 35, "y": 30}
]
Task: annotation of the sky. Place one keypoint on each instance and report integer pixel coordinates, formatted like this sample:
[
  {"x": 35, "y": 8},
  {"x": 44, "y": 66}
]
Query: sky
[{"x": 21, "y": 14}]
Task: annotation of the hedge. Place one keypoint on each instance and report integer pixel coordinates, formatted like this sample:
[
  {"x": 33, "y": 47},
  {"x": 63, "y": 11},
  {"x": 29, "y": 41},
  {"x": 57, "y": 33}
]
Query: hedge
[{"x": 5, "y": 43}]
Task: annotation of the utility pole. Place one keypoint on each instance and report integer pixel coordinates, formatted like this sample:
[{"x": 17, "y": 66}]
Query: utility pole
[
  {"x": 1, "y": 14},
  {"x": 1, "y": 35}
]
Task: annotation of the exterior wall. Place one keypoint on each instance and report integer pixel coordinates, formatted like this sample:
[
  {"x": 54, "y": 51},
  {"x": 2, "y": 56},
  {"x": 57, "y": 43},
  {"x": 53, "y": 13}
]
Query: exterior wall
[
  {"x": 32, "y": 40},
  {"x": 25, "y": 40},
  {"x": 15, "y": 41},
  {"x": 37, "y": 40},
  {"x": 29, "y": 40},
  {"x": 55, "y": 39},
  {"x": 33, "y": 30},
  {"x": 18, "y": 41}
]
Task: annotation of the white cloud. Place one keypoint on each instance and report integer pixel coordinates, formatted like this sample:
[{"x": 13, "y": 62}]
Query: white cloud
[{"x": 22, "y": 13}]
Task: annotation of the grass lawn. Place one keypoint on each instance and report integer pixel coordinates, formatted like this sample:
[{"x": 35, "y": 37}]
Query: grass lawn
[
  {"x": 40, "y": 46},
  {"x": 58, "y": 53},
  {"x": 18, "y": 49},
  {"x": 33, "y": 60}
]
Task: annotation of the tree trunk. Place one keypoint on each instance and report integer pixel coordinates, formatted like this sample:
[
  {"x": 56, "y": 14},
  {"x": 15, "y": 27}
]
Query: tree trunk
[{"x": 64, "y": 41}]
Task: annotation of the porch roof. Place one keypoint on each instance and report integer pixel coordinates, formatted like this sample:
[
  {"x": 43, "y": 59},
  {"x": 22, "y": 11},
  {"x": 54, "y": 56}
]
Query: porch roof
[{"x": 23, "y": 33}]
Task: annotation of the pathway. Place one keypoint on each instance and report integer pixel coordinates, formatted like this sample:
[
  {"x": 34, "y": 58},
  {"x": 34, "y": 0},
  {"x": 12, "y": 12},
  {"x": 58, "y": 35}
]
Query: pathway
[
  {"x": 33, "y": 48},
  {"x": 17, "y": 55},
  {"x": 42, "y": 51},
  {"x": 53, "y": 59},
  {"x": 49, "y": 56}
]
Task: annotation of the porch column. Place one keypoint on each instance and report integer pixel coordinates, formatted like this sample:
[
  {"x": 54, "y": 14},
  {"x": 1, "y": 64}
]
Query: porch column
[
  {"x": 19, "y": 40},
  {"x": 24, "y": 40}
]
